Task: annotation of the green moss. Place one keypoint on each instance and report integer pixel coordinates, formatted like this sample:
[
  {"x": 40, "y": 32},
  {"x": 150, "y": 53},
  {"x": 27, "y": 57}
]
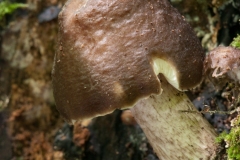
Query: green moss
[
  {"x": 7, "y": 8},
  {"x": 236, "y": 42},
  {"x": 232, "y": 140},
  {"x": 221, "y": 137}
]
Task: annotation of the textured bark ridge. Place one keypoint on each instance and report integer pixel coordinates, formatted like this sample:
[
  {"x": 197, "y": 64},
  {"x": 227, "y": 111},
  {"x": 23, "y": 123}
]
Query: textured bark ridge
[{"x": 174, "y": 127}]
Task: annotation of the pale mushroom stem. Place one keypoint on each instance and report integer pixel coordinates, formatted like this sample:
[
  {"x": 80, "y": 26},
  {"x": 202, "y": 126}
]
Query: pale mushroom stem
[{"x": 172, "y": 124}]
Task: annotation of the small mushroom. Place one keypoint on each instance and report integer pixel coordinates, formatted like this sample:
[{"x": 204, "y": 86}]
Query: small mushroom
[
  {"x": 109, "y": 56},
  {"x": 222, "y": 65}
]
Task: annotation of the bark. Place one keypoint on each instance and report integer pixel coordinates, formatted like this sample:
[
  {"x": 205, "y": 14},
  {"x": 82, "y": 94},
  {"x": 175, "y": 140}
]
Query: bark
[{"x": 175, "y": 129}]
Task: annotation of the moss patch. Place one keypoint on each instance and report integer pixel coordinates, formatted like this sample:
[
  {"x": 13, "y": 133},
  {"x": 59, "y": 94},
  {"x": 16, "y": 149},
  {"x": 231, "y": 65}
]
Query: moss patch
[
  {"x": 232, "y": 139},
  {"x": 7, "y": 8},
  {"x": 236, "y": 42}
]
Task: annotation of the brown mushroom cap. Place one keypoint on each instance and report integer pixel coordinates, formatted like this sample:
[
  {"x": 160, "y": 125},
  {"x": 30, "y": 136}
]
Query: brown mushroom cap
[
  {"x": 222, "y": 65},
  {"x": 110, "y": 52}
]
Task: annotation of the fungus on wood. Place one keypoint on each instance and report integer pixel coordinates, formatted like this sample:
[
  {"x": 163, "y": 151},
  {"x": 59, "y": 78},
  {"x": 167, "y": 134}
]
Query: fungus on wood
[
  {"x": 222, "y": 65},
  {"x": 112, "y": 55}
]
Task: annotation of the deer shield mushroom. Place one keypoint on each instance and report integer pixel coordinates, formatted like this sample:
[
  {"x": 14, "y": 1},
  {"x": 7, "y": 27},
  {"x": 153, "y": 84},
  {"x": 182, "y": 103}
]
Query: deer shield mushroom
[{"x": 109, "y": 56}]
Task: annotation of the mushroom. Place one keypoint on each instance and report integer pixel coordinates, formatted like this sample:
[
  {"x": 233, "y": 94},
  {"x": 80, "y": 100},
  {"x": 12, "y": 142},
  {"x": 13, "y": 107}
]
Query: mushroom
[
  {"x": 222, "y": 65},
  {"x": 110, "y": 56}
]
